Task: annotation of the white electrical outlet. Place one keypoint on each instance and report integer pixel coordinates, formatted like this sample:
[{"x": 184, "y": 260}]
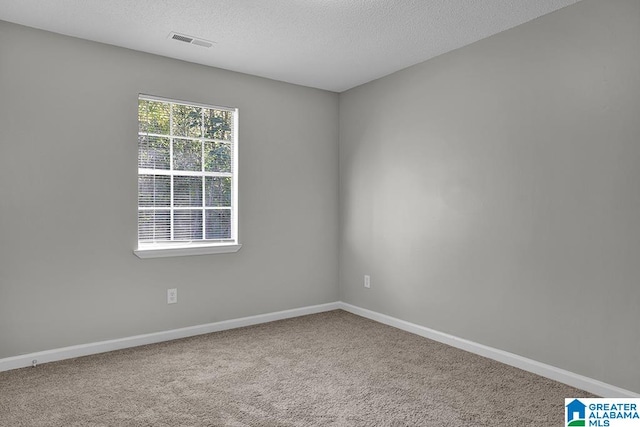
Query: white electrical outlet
[
  {"x": 367, "y": 281},
  {"x": 172, "y": 296}
]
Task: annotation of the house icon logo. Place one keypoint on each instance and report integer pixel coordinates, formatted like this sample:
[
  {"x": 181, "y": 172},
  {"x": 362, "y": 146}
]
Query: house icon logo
[{"x": 576, "y": 413}]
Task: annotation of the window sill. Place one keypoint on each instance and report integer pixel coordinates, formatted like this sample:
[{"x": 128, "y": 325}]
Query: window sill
[{"x": 164, "y": 251}]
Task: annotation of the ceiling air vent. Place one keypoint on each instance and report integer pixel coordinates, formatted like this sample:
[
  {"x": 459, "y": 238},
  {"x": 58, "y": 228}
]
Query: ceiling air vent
[{"x": 191, "y": 40}]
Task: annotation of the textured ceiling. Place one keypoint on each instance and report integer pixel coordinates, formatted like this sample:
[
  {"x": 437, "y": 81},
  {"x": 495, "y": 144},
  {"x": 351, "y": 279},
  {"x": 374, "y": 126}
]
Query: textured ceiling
[{"x": 327, "y": 44}]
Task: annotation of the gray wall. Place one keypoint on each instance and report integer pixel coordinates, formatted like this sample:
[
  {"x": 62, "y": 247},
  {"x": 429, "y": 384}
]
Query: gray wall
[
  {"x": 494, "y": 192},
  {"x": 68, "y": 196}
]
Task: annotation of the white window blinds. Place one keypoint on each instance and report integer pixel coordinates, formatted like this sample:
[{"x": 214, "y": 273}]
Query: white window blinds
[{"x": 187, "y": 173}]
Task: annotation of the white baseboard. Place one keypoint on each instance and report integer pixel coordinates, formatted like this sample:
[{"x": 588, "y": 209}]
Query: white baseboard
[
  {"x": 579, "y": 381},
  {"x": 25, "y": 360}
]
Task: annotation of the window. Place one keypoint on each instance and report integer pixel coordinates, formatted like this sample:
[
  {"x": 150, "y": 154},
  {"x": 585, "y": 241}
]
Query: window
[{"x": 187, "y": 178}]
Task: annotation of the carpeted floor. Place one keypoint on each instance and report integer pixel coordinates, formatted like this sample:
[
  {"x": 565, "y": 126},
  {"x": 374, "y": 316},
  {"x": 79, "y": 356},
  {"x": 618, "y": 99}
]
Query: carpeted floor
[{"x": 328, "y": 369}]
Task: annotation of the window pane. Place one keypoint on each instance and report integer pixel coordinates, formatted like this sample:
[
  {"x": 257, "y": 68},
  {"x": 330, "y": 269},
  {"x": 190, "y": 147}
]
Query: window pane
[
  {"x": 217, "y": 191},
  {"x": 154, "y": 225},
  {"x": 153, "y": 152},
  {"x": 217, "y": 157},
  {"x": 187, "y": 225},
  {"x": 187, "y": 191},
  {"x": 153, "y": 117},
  {"x": 187, "y": 155},
  {"x": 154, "y": 190},
  {"x": 178, "y": 145},
  {"x": 187, "y": 121},
  {"x": 218, "y": 124},
  {"x": 218, "y": 224}
]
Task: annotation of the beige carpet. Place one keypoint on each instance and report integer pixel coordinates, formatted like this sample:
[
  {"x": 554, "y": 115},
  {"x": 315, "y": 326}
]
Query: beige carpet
[{"x": 329, "y": 369}]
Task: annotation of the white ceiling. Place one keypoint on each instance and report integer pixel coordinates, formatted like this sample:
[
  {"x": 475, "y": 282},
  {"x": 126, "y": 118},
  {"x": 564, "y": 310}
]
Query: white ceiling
[{"x": 327, "y": 44}]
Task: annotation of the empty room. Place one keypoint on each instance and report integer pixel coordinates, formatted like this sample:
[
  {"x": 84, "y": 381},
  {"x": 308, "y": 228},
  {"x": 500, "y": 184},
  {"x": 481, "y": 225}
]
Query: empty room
[{"x": 319, "y": 213}]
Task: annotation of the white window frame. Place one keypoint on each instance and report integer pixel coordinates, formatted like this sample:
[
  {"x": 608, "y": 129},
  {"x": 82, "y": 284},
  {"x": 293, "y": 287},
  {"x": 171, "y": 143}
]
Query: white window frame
[{"x": 198, "y": 247}]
